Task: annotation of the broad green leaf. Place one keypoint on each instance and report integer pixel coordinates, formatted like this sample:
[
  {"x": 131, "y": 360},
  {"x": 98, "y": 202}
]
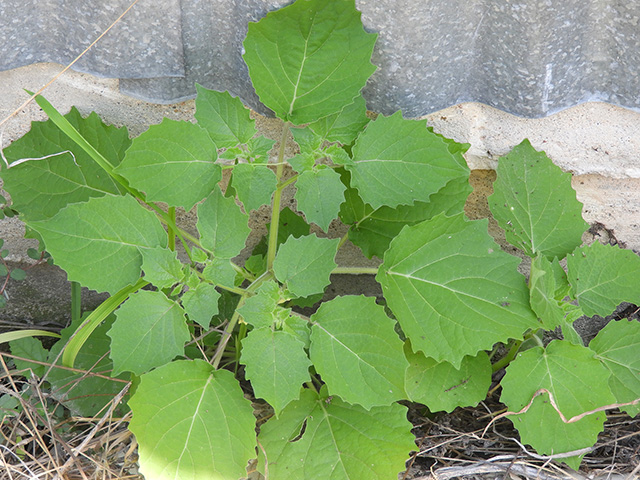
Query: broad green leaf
[
  {"x": 543, "y": 286},
  {"x": 201, "y": 304},
  {"x": 254, "y": 185},
  {"x": 337, "y": 154},
  {"x": 256, "y": 264},
  {"x": 276, "y": 364},
  {"x": 305, "y": 264},
  {"x": 319, "y": 194},
  {"x": 224, "y": 117},
  {"x": 453, "y": 290},
  {"x": 220, "y": 271},
  {"x": 192, "y": 422},
  {"x": 306, "y": 139},
  {"x": 535, "y": 205},
  {"x": 29, "y": 347},
  {"x": 578, "y": 383},
  {"x": 398, "y": 162},
  {"x": 41, "y": 187},
  {"x": 302, "y": 162},
  {"x": 357, "y": 352},
  {"x": 617, "y": 345},
  {"x": 571, "y": 313},
  {"x": 261, "y": 310},
  {"x": 603, "y": 276},
  {"x": 233, "y": 153},
  {"x": 85, "y": 394},
  {"x": 298, "y": 327},
  {"x": 259, "y": 148},
  {"x": 344, "y": 126},
  {"x": 161, "y": 267},
  {"x": 198, "y": 255},
  {"x": 320, "y": 437},
  {"x": 304, "y": 302},
  {"x": 173, "y": 162},
  {"x": 291, "y": 225},
  {"x": 150, "y": 330},
  {"x": 570, "y": 333},
  {"x": 374, "y": 230},
  {"x": 222, "y": 226},
  {"x": 309, "y": 59},
  {"x": 454, "y": 147},
  {"x": 441, "y": 386},
  {"x": 98, "y": 243},
  {"x": 69, "y": 130},
  {"x": 353, "y": 210}
]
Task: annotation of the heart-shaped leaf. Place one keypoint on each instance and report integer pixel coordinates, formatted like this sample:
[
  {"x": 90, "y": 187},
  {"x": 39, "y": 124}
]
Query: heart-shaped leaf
[
  {"x": 173, "y": 162},
  {"x": 309, "y": 59},
  {"x": 98, "y": 243},
  {"x": 440, "y": 386},
  {"x": 150, "y": 330},
  {"x": 192, "y": 422},
  {"x": 452, "y": 289},
  {"x": 535, "y": 205},
  {"x": 323, "y": 437},
  {"x": 276, "y": 364},
  {"x": 569, "y": 372},
  {"x": 398, "y": 162},
  {"x": 617, "y": 345},
  {"x": 224, "y": 117},
  {"x": 356, "y": 350},
  {"x": 41, "y": 187},
  {"x": 603, "y": 276},
  {"x": 305, "y": 264},
  {"x": 319, "y": 194}
]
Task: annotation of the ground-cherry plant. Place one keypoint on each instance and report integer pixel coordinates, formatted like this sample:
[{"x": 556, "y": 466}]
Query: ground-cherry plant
[{"x": 200, "y": 334}]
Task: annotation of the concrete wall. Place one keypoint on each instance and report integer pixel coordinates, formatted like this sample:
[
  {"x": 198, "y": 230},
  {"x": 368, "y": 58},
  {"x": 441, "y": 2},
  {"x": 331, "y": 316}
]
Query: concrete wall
[{"x": 597, "y": 142}]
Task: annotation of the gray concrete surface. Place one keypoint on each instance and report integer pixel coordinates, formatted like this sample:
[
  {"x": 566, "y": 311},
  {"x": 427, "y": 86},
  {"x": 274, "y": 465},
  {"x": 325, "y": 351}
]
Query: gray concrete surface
[
  {"x": 527, "y": 57},
  {"x": 597, "y": 142}
]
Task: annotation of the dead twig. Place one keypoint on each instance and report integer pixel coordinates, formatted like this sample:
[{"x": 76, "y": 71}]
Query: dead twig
[{"x": 552, "y": 401}]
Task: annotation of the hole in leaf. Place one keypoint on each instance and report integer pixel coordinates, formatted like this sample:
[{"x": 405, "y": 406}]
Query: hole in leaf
[{"x": 303, "y": 428}]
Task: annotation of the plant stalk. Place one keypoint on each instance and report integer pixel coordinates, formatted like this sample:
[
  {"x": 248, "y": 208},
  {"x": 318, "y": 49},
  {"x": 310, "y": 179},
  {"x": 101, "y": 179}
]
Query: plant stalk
[
  {"x": 506, "y": 360},
  {"x": 226, "y": 335},
  {"x": 275, "y": 204},
  {"x": 355, "y": 271},
  {"x": 170, "y": 231}
]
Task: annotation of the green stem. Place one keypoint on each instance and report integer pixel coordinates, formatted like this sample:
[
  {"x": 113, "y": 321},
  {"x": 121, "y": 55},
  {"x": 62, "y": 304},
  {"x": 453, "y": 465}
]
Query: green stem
[
  {"x": 354, "y": 271},
  {"x": 238, "y": 290},
  {"x": 289, "y": 181},
  {"x": 506, "y": 360},
  {"x": 344, "y": 239},
  {"x": 226, "y": 335},
  {"x": 275, "y": 204},
  {"x": 76, "y": 301},
  {"x": 241, "y": 334},
  {"x": 170, "y": 231},
  {"x": 165, "y": 218},
  {"x": 243, "y": 272}
]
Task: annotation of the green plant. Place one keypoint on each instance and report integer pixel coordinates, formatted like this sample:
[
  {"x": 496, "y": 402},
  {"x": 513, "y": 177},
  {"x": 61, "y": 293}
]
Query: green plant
[{"x": 183, "y": 329}]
